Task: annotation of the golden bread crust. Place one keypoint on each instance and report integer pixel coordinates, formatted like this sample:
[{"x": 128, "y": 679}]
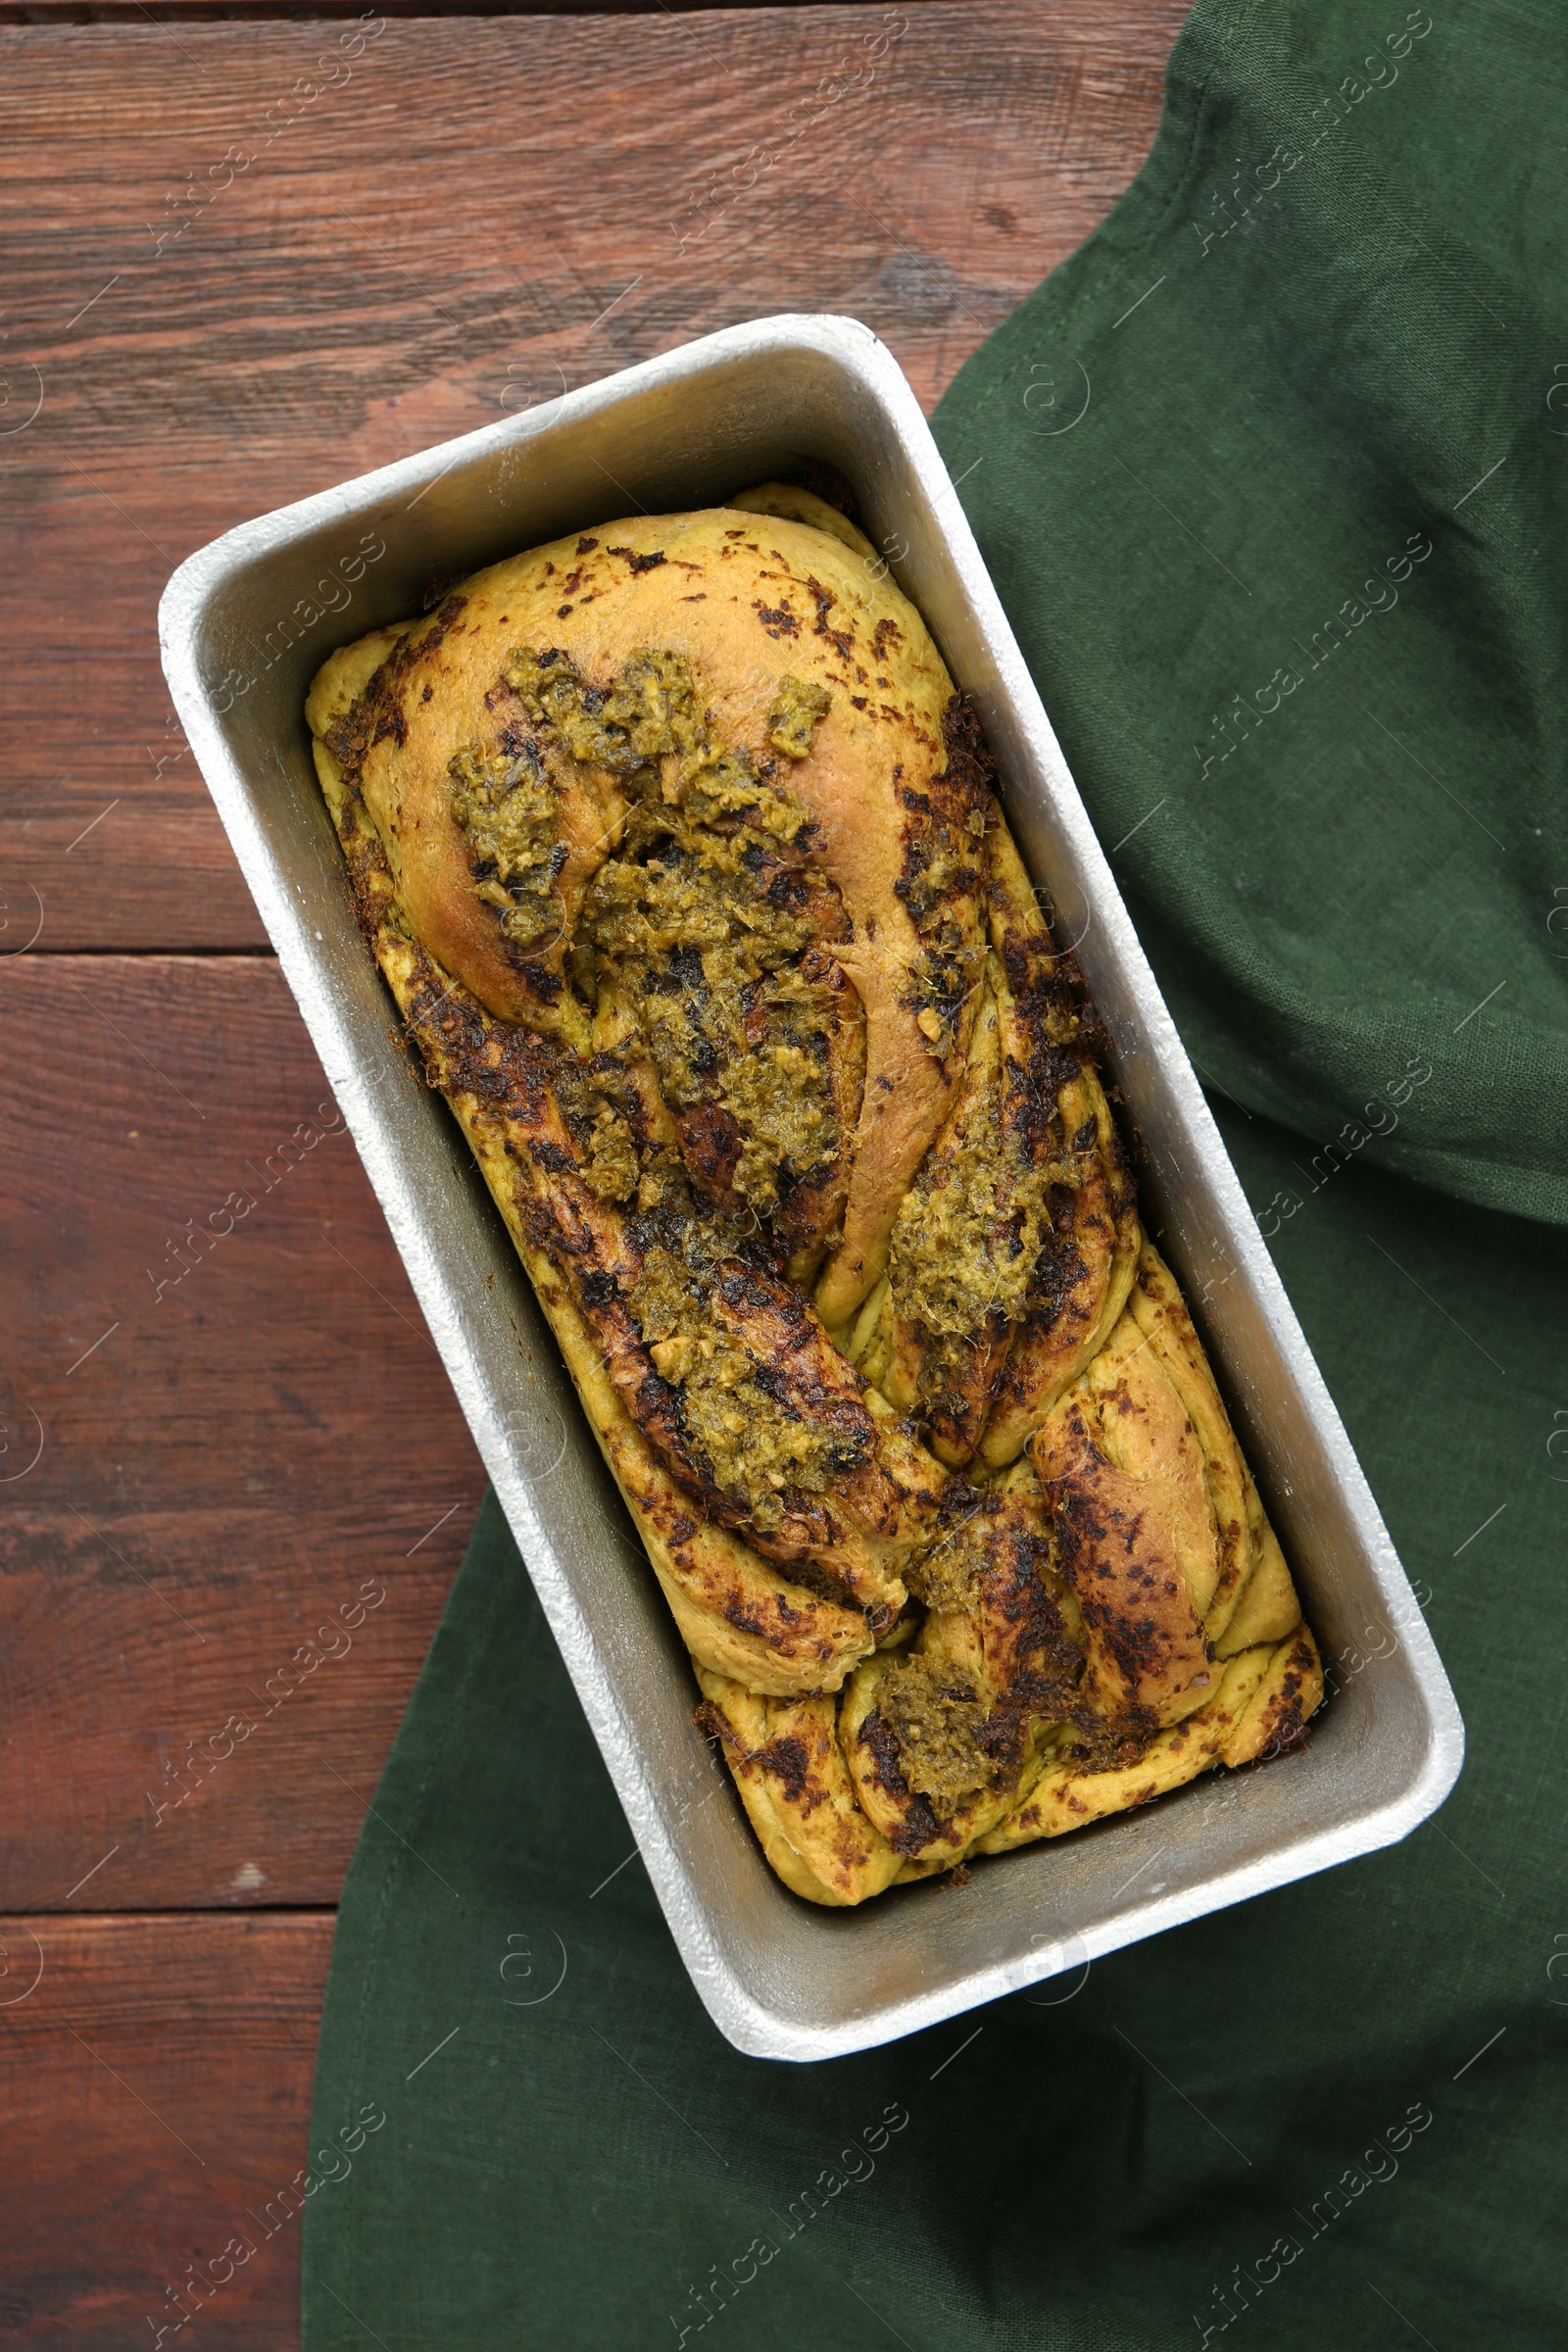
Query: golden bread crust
[{"x": 680, "y": 857}]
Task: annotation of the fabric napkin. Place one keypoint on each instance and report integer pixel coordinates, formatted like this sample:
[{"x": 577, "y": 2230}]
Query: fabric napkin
[{"x": 1270, "y": 476}]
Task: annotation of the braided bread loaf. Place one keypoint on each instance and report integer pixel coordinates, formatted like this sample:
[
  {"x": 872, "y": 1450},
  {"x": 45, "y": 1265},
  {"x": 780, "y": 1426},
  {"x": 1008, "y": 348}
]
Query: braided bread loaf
[{"x": 679, "y": 854}]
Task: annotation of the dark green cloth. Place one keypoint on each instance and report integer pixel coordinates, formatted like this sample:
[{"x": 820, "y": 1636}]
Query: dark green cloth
[
  {"x": 1206, "y": 460},
  {"x": 1353, "y": 2088}
]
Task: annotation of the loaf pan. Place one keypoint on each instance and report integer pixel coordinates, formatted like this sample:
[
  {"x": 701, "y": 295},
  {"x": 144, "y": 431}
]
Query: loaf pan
[{"x": 245, "y": 623}]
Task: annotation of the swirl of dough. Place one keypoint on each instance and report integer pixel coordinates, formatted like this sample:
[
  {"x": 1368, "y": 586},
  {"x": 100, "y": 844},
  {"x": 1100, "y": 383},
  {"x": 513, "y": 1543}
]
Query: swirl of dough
[{"x": 681, "y": 858}]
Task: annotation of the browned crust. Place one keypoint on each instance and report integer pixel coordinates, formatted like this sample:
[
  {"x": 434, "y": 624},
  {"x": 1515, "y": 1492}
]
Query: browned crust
[
  {"x": 790, "y": 1770},
  {"x": 1131, "y": 1620},
  {"x": 735, "y": 1612},
  {"x": 1054, "y": 1093}
]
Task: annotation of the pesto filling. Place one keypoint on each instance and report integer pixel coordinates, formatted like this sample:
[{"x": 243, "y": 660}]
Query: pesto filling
[
  {"x": 704, "y": 915},
  {"x": 701, "y": 920},
  {"x": 508, "y": 810},
  {"x": 754, "y": 1448},
  {"x": 954, "y": 1741},
  {"x": 710, "y": 954},
  {"x": 972, "y": 1228},
  {"x": 940, "y": 1725},
  {"x": 792, "y": 721},
  {"x": 945, "y": 1573},
  {"x": 597, "y": 1104},
  {"x": 649, "y": 712},
  {"x": 941, "y": 869},
  {"x": 944, "y": 975}
]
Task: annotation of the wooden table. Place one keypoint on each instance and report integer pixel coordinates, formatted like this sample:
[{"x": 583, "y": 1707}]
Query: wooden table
[{"x": 189, "y": 340}]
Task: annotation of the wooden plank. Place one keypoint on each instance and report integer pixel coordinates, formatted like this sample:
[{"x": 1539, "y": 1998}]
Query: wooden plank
[
  {"x": 156, "y": 2085},
  {"x": 258, "y": 11},
  {"x": 406, "y": 256},
  {"x": 268, "y": 1445},
  {"x": 220, "y": 1470}
]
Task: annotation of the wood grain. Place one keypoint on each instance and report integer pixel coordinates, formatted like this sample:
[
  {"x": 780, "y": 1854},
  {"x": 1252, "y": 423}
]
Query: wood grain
[
  {"x": 221, "y": 1469},
  {"x": 486, "y": 209},
  {"x": 480, "y": 215},
  {"x": 258, "y": 11},
  {"x": 155, "y": 2087}
]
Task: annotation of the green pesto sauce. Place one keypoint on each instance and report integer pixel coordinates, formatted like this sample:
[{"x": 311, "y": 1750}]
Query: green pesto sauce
[
  {"x": 696, "y": 920},
  {"x": 612, "y": 1166},
  {"x": 595, "y": 1100},
  {"x": 945, "y": 976},
  {"x": 754, "y": 1447},
  {"x": 696, "y": 916},
  {"x": 710, "y": 960},
  {"x": 945, "y": 1574},
  {"x": 654, "y": 712},
  {"x": 650, "y": 712},
  {"x": 509, "y": 812},
  {"x": 938, "y": 1725},
  {"x": 792, "y": 721},
  {"x": 942, "y": 869},
  {"x": 971, "y": 1226}
]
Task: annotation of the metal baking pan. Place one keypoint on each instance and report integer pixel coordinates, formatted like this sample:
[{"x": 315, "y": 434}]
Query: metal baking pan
[{"x": 244, "y": 625}]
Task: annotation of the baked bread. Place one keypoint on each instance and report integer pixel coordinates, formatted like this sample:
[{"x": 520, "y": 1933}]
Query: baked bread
[{"x": 679, "y": 854}]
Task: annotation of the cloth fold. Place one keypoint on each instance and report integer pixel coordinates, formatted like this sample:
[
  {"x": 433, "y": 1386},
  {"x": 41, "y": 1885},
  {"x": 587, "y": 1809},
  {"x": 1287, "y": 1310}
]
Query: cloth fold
[{"x": 1269, "y": 478}]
